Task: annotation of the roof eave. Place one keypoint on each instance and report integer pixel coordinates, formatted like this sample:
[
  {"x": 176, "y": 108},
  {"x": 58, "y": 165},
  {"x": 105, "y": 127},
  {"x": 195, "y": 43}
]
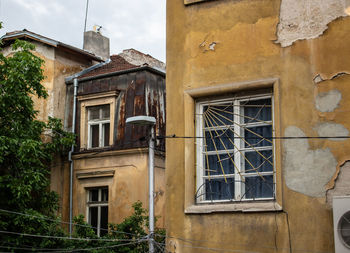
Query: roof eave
[
  {"x": 120, "y": 72},
  {"x": 48, "y": 41}
]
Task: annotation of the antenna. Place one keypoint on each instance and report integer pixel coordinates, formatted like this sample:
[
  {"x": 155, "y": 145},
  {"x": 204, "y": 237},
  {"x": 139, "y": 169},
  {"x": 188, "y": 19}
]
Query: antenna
[{"x": 86, "y": 12}]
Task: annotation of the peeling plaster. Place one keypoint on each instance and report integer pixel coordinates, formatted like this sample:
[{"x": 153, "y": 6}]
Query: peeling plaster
[
  {"x": 212, "y": 46},
  {"x": 318, "y": 78},
  {"x": 332, "y": 129},
  {"x": 341, "y": 185},
  {"x": 208, "y": 43},
  {"x": 328, "y": 101},
  {"x": 307, "y": 19},
  {"x": 306, "y": 171}
]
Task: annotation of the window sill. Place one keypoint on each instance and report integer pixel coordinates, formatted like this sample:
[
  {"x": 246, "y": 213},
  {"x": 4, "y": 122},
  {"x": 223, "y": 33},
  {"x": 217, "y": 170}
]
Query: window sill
[
  {"x": 187, "y": 2},
  {"x": 270, "y": 206}
]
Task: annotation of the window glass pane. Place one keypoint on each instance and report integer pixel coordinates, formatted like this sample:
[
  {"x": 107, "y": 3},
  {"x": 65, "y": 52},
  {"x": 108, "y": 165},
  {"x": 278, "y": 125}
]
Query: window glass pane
[
  {"x": 219, "y": 140},
  {"x": 93, "y": 195},
  {"x": 218, "y": 115},
  {"x": 262, "y": 161},
  {"x": 256, "y": 187},
  {"x": 256, "y": 110},
  {"x": 106, "y": 134},
  {"x": 218, "y": 189},
  {"x": 104, "y": 220},
  {"x": 213, "y": 167},
  {"x": 258, "y": 136},
  {"x": 95, "y": 135},
  {"x": 93, "y": 217},
  {"x": 94, "y": 112},
  {"x": 105, "y": 111},
  {"x": 104, "y": 196}
]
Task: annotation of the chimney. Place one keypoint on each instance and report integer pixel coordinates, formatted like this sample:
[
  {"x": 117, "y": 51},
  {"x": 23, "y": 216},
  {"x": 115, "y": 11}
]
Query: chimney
[{"x": 96, "y": 43}]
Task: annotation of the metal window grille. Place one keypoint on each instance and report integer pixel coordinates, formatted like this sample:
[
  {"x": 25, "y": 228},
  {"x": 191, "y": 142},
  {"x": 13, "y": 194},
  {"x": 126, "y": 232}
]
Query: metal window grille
[{"x": 235, "y": 154}]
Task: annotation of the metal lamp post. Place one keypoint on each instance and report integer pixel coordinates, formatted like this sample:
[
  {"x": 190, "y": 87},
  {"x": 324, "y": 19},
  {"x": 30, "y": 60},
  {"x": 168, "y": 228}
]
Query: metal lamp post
[{"x": 148, "y": 121}]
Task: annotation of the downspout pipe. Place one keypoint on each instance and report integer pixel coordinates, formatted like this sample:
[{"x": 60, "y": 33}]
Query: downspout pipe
[
  {"x": 74, "y": 79},
  {"x": 75, "y": 83}
]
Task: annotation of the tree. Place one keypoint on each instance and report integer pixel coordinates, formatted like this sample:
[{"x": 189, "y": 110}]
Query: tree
[{"x": 24, "y": 155}]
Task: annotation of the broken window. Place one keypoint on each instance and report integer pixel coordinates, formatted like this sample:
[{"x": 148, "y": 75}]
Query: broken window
[
  {"x": 98, "y": 210},
  {"x": 235, "y": 149},
  {"x": 98, "y": 126}
]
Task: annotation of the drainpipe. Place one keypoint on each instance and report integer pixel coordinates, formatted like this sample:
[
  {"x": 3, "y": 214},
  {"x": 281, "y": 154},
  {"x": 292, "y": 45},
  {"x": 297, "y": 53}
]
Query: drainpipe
[
  {"x": 75, "y": 83},
  {"x": 69, "y": 79}
]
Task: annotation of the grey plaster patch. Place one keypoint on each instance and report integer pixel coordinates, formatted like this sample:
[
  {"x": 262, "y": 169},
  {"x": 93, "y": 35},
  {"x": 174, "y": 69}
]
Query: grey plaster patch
[
  {"x": 306, "y": 171},
  {"x": 328, "y": 101},
  {"x": 307, "y": 19},
  {"x": 342, "y": 183},
  {"x": 332, "y": 129}
]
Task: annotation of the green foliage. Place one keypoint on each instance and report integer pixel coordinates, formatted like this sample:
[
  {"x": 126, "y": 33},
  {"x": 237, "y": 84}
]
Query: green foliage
[
  {"x": 129, "y": 236},
  {"x": 24, "y": 155}
]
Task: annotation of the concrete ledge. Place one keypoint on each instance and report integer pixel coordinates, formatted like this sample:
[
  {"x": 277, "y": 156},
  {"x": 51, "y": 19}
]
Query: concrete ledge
[
  {"x": 93, "y": 174},
  {"x": 187, "y": 2},
  {"x": 270, "y": 206}
]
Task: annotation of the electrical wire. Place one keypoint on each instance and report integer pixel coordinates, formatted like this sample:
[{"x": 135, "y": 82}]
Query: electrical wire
[
  {"x": 64, "y": 237},
  {"x": 256, "y": 138},
  {"x": 64, "y": 222},
  {"x": 97, "y": 248},
  {"x": 73, "y": 249}
]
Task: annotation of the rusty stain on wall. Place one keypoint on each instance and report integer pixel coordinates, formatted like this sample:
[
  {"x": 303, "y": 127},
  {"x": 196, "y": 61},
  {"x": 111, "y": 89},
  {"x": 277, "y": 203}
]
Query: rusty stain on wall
[{"x": 306, "y": 19}]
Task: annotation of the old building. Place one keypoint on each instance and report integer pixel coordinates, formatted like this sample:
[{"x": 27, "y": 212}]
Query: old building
[
  {"x": 258, "y": 88},
  {"x": 111, "y": 158}
]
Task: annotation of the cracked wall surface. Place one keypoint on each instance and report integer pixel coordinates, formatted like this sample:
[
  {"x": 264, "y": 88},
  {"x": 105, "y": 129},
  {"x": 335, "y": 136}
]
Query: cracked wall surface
[
  {"x": 305, "y": 170},
  {"x": 342, "y": 183},
  {"x": 307, "y": 19}
]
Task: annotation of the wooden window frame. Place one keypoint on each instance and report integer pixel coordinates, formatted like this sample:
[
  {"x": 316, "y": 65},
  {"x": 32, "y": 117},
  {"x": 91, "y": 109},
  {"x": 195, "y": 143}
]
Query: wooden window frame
[
  {"x": 90, "y": 100},
  {"x": 99, "y": 203}
]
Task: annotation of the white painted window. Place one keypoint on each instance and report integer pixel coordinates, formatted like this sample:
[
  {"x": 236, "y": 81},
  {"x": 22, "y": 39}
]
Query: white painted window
[
  {"x": 97, "y": 210},
  {"x": 98, "y": 126},
  {"x": 234, "y": 148}
]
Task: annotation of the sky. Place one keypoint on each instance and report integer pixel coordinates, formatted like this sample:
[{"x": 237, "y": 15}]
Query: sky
[{"x": 138, "y": 24}]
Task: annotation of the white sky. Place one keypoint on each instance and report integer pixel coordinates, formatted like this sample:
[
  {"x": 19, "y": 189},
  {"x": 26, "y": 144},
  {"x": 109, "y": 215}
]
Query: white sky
[{"x": 138, "y": 24}]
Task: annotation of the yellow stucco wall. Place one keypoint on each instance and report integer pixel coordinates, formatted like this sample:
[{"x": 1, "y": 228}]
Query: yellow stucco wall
[
  {"x": 212, "y": 43},
  {"x": 127, "y": 183}
]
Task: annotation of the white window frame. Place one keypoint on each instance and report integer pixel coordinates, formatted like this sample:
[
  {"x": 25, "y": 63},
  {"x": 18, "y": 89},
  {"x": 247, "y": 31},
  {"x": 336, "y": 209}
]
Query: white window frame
[
  {"x": 100, "y": 123},
  {"x": 200, "y": 157},
  {"x": 97, "y": 204}
]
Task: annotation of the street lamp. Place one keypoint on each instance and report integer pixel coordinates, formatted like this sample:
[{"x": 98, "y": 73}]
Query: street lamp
[{"x": 148, "y": 121}]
